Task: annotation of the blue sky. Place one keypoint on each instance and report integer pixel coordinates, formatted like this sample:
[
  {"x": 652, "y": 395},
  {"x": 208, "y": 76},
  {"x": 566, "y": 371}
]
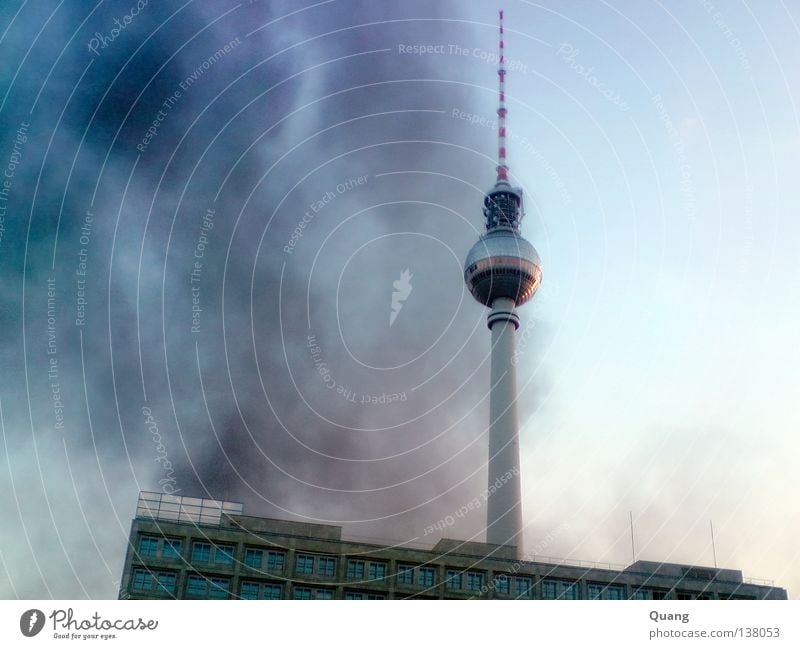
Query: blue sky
[{"x": 673, "y": 363}]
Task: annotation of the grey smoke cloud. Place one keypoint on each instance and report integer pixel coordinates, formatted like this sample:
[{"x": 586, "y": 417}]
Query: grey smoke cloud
[{"x": 157, "y": 191}]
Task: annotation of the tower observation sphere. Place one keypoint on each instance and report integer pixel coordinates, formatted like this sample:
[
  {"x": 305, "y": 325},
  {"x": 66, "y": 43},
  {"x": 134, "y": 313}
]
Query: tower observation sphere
[{"x": 502, "y": 264}]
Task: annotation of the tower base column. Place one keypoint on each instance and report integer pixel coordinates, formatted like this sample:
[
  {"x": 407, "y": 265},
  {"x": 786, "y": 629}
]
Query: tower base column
[{"x": 504, "y": 502}]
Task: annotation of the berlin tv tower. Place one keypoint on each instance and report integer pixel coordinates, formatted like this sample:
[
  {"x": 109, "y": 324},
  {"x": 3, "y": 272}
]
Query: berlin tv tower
[{"x": 503, "y": 271}]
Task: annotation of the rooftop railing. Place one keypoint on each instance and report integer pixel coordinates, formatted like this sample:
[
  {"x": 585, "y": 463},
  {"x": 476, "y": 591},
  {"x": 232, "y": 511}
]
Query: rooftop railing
[{"x": 183, "y": 509}]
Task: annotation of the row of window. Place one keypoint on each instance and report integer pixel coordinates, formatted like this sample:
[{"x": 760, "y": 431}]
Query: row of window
[
  {"x": 308, "y": 564},
  {"x": 654, "y": 593},
  {"x": 416, "y": 575},
  {"x": 272, "y": 560},
  {"x": 257, "y": 590},
  {"x": 169, "y": 548},
  {"x": 354, "y": 595},
  {"x": 474, "y": 581},
  {"x": 555, "y": 589},
  {"x": 325, "y": 566},
  {"x": 564, "y": 590},
  {"x": 321, "y": 566},
  {"x": 460, "y": 580},
  {"x": 221, "y": 554},
  {"x": 305, "y": 592},
  {"x": 200, "y": 587},
  {"x": 153, "y": 546},
  {"x": 522, "y": 586},
  {"x": 606, "y": 591},
  {"x": 372, "y": 570},
  {"x": 164, "y": 582}
]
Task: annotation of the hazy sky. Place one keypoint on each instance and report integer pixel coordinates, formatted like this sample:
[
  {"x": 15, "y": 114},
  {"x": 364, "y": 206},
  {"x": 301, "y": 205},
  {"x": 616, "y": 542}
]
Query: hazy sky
[{"x": 205, "y": 208}]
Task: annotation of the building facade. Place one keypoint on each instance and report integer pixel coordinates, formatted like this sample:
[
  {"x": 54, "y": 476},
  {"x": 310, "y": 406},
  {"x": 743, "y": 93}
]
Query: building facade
[{"x": 192, "y": 548}]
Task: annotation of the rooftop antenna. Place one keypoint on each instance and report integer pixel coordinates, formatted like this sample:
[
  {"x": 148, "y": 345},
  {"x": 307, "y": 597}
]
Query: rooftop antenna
[
  {"x": 713, "y": 546},
  {"x": 633, "y": 547}
]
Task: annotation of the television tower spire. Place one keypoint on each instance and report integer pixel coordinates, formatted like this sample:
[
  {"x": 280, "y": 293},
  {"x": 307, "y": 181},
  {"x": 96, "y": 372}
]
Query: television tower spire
[
  {"x": 503, "y": 271},
  {"x": 502, "y": 167}
]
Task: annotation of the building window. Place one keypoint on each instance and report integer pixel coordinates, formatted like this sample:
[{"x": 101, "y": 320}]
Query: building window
[
  {"x": 554, "y": 589},
  {"x": 253, "y": 558},
  {"x": 313, "y": 593},
  {"x": 606, "y": 591},
  {"x": 167, "y": 582},
  {"x": 377, "y": 571},
  {"x": 362, "y": 596},
  {"x": 142, "y": 580},
  {"x": 405, "y": 575},
  {"x": 223, "y": 555},
  {"x": 646, "y": 593},
  {"x": 219, "y": 588},
  {"x": 304, "y": 564},
  {"x": 474, "y": 580},
  {"x": 272, "y": 591},
  {"x": 453, "y": 581},
  {"x": 201, "y": 587},
  {"x": 570, "y": 591},
  {"x": 327, "y": 566},
  {"x": 196, "y": 586},
  {"x": 615, "y": 592},
  {"x": 302, "y": 593},
  {"x": 148, "y": 546},
  {"x": 524, "y": 586},
  {"x": 426, "y": 575},
  {"x": 172, "y": 549},
  {"x": 161, "y": 581},
  {"x": 355, "y": 569},
  {"x": 502, "y": 584},
  {"x": 275, "y": 561},
  {"x": 682, "y": 594},
  {"x": 249, "y": 590},
  {"x": 201, "y": 551}
]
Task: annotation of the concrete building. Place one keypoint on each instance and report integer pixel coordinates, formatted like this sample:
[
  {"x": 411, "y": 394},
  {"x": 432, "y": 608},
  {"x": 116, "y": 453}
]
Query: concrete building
[{"x": 192, "y": 548}]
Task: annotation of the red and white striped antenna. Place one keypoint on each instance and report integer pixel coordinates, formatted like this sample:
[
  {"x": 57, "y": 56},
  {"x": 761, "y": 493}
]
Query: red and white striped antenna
[{"x": 502, "y": 167}]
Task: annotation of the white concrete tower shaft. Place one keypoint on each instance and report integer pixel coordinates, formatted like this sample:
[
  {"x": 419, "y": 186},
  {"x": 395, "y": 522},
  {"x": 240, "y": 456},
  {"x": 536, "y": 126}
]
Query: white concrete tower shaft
[{"x": 504, "y": 503}]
